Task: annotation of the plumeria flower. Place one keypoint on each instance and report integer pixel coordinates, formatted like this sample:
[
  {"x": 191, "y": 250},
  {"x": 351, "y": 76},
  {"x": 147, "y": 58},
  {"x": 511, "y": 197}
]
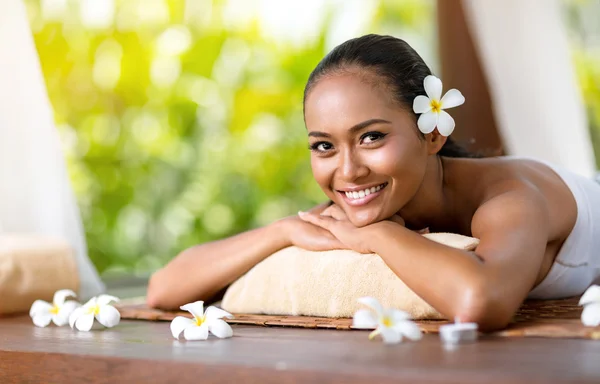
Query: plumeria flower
[
  {"x": 42, "y": 312},
  {"x": 107, "y": 315},
  {"x": 431, "y": 107},
  {"x": 202, "y": 323},
  {"x": 590, "y": 300},
  {"x": 391, "y": 324}
]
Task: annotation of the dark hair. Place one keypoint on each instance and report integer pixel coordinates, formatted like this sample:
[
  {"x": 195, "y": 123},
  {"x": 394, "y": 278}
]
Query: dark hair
[{"x": 393, "y": 60}]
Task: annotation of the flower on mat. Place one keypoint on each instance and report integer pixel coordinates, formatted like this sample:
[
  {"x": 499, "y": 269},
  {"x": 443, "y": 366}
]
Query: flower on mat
[
  {"x": 590, "y": 300},
  {"x": 42, "y": 312},
  {"x": 202, "y": 323},
  {"x": 391, "y": 324},
  {"x": 431, "y": 107},
  {"x": 96, "y": 308}
]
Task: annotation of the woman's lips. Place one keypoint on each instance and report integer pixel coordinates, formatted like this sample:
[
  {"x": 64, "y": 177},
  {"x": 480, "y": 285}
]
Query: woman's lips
[{"x": 362, "y": 200}]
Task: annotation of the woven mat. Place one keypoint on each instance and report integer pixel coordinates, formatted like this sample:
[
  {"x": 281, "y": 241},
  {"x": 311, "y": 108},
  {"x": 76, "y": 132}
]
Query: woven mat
[{"x": 536, "y": 318}]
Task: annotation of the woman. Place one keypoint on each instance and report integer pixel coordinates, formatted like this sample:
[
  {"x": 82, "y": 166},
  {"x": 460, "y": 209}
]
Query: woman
[{"x": 380, "y": 152}]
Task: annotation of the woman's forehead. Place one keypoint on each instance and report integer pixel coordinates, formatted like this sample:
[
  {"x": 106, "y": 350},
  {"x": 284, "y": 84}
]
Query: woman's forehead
[{"x": 345, "y": 100}]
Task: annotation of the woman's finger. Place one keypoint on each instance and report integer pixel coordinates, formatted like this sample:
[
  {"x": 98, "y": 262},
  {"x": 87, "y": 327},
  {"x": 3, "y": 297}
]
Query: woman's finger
[
  {"x": 336, "y": 212},
  {"x": 321, "y": 221}
]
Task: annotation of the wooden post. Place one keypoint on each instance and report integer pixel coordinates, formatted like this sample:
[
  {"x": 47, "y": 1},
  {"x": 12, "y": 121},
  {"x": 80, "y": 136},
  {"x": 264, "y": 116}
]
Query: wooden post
[{"x": 476, "y": 128}]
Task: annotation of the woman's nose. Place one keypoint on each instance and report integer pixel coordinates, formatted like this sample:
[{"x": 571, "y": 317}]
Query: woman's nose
[{"x": 351, "y": 166}]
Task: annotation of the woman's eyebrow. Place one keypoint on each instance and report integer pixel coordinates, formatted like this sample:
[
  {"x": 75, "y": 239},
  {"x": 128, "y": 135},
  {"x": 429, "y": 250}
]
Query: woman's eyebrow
[{"x": 353, "y": 129}]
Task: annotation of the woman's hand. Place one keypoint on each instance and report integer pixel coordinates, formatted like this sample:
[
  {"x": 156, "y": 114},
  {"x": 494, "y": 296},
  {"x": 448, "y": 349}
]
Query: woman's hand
[
  {"x": 334, "y": 220},
  {"x": 310, "y": 236}
]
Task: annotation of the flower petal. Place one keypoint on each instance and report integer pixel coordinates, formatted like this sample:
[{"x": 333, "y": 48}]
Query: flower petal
[
  {"x": 179, "y": 324},
  {"x": 445, "y": 124},
  {"x": 60, "y": 296},
  {"x": 397, "y": 315},
  {"x": 591, "y": 295},
  {"x": 108, "y": 316},
  {"x": 427, "y": 122},
  {"x": 40, "y": 307},
  {"x": 105, "y": 299},
  {"x": 62, "y": 318},
  {"x": 214, "y": 313},
  {"x": 372, "y": 303},
  {"x": 452, "y": 98},
  {"x": 196, "y": 333},
  {"x": 91, "y": 302},
  {"x": 433, "y": 87},
  {"x": 409, "y": 330},
  {"x": 41, "y": 319},
  {"x": 421, "y": 104},
  {"x": 590, "y": 317},
  {"x": 220, "y": 329},
  {"x": 364, "y": 319},
  {"x": 85, "y": 322},
  {"x": 390, "y": 335},
  {"x": 75, "y": 315},
  {"x": 196, "y": 308}
]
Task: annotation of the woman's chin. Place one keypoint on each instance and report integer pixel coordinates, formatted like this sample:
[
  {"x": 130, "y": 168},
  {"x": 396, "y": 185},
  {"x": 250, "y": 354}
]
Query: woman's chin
[{"x": 362, "y": 219}]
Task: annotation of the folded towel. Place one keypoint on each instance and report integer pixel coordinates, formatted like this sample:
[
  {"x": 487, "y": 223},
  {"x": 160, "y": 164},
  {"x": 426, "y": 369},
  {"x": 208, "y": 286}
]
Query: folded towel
[
  {"x": 295, "y": 282},
  {"x": 33, "y": 267}
]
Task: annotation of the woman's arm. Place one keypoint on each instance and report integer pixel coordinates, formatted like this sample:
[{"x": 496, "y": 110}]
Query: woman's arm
[
  {"x": 200, "y": 272},
  {"x": 486, "y": 286}
]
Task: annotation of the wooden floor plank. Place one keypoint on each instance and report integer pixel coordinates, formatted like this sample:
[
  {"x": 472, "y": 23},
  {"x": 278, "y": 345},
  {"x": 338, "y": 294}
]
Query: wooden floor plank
[{"x": 137, "y": 351}]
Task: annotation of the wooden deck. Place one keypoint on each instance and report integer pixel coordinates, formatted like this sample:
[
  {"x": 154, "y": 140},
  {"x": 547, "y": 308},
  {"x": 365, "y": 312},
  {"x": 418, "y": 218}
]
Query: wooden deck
[{"x": 142, "y": 351}]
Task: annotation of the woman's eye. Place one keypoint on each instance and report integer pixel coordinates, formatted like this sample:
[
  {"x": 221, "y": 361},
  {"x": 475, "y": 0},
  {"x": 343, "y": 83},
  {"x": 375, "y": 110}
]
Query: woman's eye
[
  {"x": 371, "y": 137},
  {"x": 321, "y": 146}
]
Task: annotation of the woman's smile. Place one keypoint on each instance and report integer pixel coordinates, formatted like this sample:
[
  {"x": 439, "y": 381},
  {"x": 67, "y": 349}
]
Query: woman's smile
[{"x": 361, "y": 196}]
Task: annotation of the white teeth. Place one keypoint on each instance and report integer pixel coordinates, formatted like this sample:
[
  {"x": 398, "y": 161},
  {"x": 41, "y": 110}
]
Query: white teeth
[{"x": 363, "y": 193}]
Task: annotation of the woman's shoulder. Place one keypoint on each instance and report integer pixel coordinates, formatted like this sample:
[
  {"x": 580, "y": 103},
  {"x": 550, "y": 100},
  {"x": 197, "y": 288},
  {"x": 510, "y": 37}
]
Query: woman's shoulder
[{"x": 528, "y": 178}]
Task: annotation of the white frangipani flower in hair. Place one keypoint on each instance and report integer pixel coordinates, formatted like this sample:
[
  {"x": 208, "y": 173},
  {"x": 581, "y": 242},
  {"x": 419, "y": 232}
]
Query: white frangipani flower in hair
[
  {"x": 202, "y": 323},
  {"x": 431, "y": 107},
  {"x": 391, "y": 324},
  {"x": 96, "y": 308},
  {"x": 58, "y": 312},
  {"x": 590, "y": 300}
]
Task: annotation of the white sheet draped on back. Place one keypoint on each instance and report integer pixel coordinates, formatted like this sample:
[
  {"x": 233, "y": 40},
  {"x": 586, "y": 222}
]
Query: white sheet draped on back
[
  {"x": 536, "y": 99},
  {"x": 35, "y": 193}
]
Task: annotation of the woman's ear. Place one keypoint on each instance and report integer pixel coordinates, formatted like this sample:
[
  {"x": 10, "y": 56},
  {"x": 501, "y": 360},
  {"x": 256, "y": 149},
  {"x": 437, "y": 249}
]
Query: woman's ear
[{"x": 435, "y": 141}]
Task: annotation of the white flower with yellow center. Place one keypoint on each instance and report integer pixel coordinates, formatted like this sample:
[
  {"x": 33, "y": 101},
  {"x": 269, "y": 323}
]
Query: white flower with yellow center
[
  {"x": 202, "y": 323},
  {"x": 42, "y": 312},
  {"x": 391, "y": 324},
  {"x": 97, "y": 308},
  {"x": 431, "y": 107},
  {"x": 590, "y": 317}
]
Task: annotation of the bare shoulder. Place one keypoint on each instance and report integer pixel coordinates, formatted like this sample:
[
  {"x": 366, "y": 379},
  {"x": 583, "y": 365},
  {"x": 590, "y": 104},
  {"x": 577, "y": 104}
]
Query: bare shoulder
[
  {"x": 519, "y": 191},
  {"x": 517, "y": 207}
]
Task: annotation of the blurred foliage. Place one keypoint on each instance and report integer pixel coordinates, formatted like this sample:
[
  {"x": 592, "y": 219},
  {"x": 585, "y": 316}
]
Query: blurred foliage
[
  {"x": 182, "y": 120},
  {"x": 584, "y": 28}
]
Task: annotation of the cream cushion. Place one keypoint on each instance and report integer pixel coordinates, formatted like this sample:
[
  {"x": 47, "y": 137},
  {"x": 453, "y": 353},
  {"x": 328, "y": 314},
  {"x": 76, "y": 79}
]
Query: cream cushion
[
  {"x": 34, "y": 267},
  {"x": 295, "y": 281}
]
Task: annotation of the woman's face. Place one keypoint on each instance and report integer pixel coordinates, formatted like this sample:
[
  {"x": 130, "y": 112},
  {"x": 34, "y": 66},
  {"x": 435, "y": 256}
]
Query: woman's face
[{"x": 366, "y": 153}]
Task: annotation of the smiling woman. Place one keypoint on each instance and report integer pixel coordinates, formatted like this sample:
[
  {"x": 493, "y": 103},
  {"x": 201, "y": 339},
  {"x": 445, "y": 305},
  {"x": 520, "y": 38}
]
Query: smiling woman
[{"x": 380, "y": 151}]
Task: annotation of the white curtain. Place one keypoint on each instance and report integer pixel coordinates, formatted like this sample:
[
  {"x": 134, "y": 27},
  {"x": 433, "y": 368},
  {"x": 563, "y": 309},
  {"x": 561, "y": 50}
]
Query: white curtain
[
  {"x": 525, "y": 55},
  {"x": 35, "y": 193}
]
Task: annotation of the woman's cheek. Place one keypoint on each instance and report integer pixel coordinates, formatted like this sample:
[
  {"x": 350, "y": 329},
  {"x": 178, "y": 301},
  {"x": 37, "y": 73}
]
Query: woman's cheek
[{"x": 321, "y": 172}]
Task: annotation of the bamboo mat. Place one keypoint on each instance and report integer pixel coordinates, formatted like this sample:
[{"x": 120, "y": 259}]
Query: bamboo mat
[{"x": 535, "y": 318}]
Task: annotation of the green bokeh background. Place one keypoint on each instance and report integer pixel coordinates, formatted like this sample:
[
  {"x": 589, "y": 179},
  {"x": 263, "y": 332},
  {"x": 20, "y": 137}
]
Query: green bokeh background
[{"x": 181, "y": 128}]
